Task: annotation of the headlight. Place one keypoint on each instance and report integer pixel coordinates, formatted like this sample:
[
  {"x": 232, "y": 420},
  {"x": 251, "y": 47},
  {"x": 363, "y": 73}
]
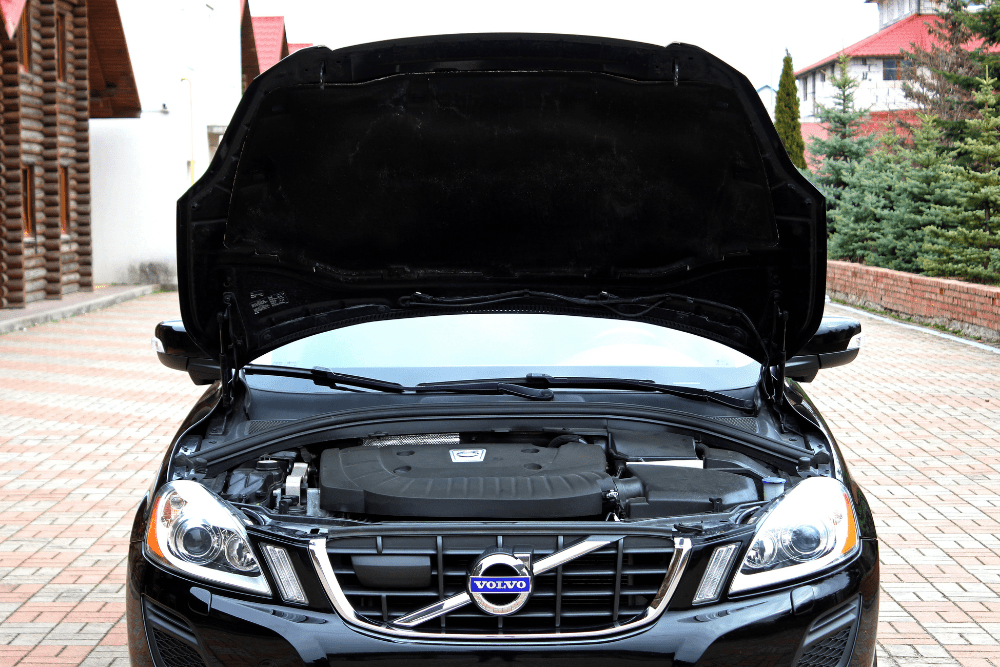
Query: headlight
[
  {"x": 192, "y": 531},
  {"x": 811, "y": 529}
]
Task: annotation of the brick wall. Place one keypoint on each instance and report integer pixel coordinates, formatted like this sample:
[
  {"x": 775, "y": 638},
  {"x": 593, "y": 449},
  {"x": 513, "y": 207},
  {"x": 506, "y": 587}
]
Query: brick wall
[{"x": 971, "y": 308}]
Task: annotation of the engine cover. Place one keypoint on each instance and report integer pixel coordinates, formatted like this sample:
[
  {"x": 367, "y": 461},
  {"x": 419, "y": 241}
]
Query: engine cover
[{"x": 488, "y": 481}]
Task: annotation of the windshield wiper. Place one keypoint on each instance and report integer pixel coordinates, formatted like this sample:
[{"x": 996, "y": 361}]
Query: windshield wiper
[
  {"x": 327, "y": 378},
  {"x": 541, "y": 380}
]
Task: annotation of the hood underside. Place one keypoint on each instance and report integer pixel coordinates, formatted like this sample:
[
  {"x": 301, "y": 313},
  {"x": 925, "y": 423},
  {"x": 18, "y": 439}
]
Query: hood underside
[{"x": 469, "y": 166}]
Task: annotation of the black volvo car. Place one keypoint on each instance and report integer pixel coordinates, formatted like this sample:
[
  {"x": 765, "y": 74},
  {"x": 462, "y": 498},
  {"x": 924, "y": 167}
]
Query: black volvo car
[{"x": 504, "y": 338}]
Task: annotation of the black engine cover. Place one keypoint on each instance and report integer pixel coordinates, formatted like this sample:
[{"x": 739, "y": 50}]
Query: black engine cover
[{"x": 488, "y": 481}]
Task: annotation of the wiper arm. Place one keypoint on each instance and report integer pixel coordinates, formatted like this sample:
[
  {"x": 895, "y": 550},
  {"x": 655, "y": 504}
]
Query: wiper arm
[
  {"x": 693, "y": 393},
  {"x": 327, "y": 378},
  {"x": 489, "y": 387}
]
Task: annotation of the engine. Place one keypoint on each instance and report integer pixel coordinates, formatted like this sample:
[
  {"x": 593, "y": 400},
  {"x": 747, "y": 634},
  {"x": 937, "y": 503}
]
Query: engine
[{"x": 628, "y": 474}]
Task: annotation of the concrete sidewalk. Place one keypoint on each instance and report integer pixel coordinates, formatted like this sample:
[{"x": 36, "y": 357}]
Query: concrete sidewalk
[
  {"x": 13, "y": 319},
  {"x": 86, "y": 413}
]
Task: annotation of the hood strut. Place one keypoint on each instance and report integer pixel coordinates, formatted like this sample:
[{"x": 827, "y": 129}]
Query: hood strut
[
  {"x": 774, "y": 371},
  {"x": 227, "y": 360}
]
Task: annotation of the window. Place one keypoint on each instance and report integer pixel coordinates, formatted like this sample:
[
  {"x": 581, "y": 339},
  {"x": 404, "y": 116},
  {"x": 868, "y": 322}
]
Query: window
[
  {"x": 822, "y": 77},
  {"x": 805, "y": 89},
  {"x": 890, "y": 70},
  {"x": 63, "y": 200},
  {"x": 896, "y": 70},
  {"x": 60, "y": 47},
  {"x": 28, "y": 200},
  {"x": 24, "y": 38}
]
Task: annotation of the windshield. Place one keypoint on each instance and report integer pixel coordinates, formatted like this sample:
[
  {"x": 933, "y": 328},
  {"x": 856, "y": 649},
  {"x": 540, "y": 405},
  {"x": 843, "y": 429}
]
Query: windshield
[{"x": 462, "y": 347}]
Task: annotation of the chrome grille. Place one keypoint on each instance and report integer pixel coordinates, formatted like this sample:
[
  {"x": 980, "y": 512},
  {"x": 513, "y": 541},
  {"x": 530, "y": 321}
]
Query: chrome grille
[{"x": 613, "y": 585}]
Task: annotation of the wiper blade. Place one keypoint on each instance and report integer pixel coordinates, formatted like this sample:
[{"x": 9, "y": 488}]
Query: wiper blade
[
  {"x": 327, "y": 378},
  {"x": 693, "y": 393}
]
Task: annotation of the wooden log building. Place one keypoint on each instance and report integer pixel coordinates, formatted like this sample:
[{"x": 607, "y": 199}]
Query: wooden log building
[{"x": 63, "y": 62}]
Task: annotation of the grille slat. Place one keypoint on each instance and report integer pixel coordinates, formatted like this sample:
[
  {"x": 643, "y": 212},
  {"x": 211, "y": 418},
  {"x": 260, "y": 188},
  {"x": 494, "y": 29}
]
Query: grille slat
[
  {"x": 827, "y": 653},
  {"x": 175, "y": 653},
  {"x": 613, "y": 584}
]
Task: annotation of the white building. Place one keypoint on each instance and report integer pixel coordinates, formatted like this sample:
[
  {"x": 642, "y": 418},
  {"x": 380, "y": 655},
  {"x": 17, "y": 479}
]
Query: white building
[
  {"x": 769, "y": 96},
  {"x": 876, "y": 62},
  {"x": 187, "y": 64}
]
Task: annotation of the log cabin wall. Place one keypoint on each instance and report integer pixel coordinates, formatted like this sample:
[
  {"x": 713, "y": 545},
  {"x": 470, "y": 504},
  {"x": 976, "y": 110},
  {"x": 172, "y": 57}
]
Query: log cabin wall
[
  {"x": 58, "y": 52},
  {"x": 22, "y": 135},
  {"x": 45, "y": 210},
  {"x": 13, "y": 232},
  {"x": 80, "y": 171}
]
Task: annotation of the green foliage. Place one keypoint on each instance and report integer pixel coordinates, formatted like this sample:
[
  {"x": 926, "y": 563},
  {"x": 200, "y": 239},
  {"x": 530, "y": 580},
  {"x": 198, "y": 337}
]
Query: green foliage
[
  {"x": 865, "y": 205},
  {"x": 931, "y": 205},
  {"x": 893, "y": 195},
  {"x": 786, "y": 115},
  {"x": 967, "y": 245},
  {"x": 924, "y": 195},
  {"x": 943, "y": 77},
  {"x": 844, "y": 145},
  {"x": 983, "y": 24}
]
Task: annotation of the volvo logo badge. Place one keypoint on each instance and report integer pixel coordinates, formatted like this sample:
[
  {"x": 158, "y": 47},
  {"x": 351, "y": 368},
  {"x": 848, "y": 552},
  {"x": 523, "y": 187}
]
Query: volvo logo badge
[{"x": 500, "y": 582}]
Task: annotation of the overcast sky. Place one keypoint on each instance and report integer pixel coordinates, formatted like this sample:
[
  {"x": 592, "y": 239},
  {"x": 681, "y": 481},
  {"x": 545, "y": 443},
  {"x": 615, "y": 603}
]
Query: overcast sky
[{"x": 751, "y": 36}]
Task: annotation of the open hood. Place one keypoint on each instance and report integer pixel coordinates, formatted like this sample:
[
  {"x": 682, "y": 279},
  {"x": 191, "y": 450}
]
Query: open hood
[{"x": 422, "y": 176}]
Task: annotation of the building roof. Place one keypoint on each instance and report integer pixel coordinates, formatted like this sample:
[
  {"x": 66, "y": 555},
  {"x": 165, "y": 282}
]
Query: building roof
[
  {"x": 292, "y": 48},
  {"x": 11, "y": 10},
  {"x": 113, "y": 92},
  {"x": 249, "y": 62},
  {"x": 269, "y": 37},
  {"x": 886, "y": 42},
  {"x": 890, "y": 41}
]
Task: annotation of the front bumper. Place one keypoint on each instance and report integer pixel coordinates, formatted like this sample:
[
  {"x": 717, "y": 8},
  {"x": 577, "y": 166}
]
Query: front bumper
[{"x": 774, "y": 629}]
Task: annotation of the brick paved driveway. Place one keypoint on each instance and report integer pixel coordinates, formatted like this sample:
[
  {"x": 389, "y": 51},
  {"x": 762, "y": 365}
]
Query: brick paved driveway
[{"x": 86, "y": 412}]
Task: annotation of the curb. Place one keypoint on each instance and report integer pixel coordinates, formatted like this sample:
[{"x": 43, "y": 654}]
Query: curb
[{"x": 17, "y": 323}]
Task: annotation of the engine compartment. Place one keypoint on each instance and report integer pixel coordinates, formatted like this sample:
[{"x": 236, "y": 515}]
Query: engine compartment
[{"x": 619, "y": 474}]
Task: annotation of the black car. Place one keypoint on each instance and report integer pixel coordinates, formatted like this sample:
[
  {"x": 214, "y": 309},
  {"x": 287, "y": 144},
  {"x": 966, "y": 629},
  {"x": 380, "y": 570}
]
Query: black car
[{"x": 504, "y": 337}]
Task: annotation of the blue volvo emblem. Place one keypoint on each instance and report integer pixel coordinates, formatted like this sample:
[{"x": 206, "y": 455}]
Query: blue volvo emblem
[{"x": 499, "y": 582}]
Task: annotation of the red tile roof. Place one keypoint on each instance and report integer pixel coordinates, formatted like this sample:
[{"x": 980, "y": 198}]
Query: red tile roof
[
  {"x": 292, "y": 48},
  {"x": 11, "y": 14},
  {"x": 269, "y": 36},
  {"x": 889, "y": 41}
]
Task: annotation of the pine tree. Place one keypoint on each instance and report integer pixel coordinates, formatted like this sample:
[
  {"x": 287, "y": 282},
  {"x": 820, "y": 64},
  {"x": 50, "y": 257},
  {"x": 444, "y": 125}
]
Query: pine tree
[
  {"x": 865, "y": 204},
  {"x": 925, "y": 194},
  {"x": 941, "y": 79},
  {"x": 845, "y": 145},
  {"x": 984, "y": 24},
  {"x": 786, "y": 115},
  {"x": 970, "y": 248}
]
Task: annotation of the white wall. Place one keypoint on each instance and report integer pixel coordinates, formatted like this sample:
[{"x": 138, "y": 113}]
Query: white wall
[
  {"x": 139, "y": 167},
  {"x": 872, "y": 93}
]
